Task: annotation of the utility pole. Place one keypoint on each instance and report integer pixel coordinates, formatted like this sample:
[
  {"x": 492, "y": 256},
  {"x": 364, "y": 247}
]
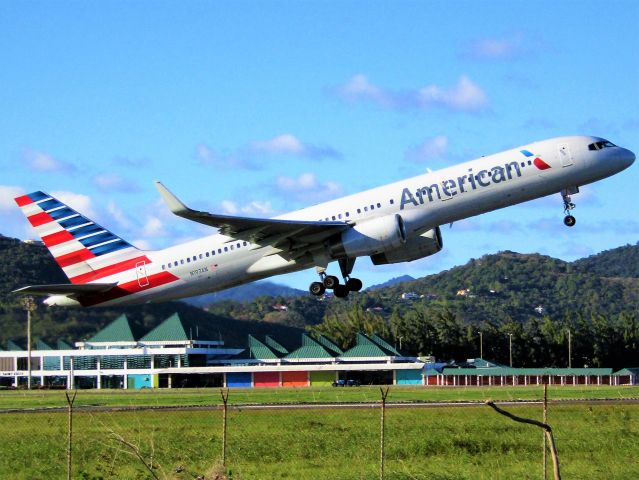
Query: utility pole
[
  {"x": 481, "y": 344},
  {"x": 569, "y": 350},
  {"x": 510, "y": 348},
  {"x": 29, "y": 305}
]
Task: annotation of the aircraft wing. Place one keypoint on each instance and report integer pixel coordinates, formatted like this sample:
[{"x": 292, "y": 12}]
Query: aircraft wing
[
  {"x": 256, "y": 230},
  {"x": 66, "y": 289}
]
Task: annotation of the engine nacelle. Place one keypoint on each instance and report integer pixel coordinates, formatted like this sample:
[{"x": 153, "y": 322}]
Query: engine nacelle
[
  {"x": 369, "y": 238},
  {"x": 420, "y": 246}
]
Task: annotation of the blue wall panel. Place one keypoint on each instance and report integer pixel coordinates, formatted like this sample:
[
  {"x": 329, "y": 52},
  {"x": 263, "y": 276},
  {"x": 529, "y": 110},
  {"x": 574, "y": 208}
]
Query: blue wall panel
[
  {"x": 408, "y": 377},
  {"x": 239, "y": 380}
]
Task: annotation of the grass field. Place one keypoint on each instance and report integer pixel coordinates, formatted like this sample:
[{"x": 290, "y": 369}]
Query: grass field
[
  {"x": 18, "y": 399},
  {"x": 599, "y": 441}
]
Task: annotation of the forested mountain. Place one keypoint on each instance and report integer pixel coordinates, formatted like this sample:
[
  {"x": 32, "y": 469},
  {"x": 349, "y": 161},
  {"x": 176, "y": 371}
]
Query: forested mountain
[
  {"x": 535, "y": 298},
  {"x": 618, "y": 262}
]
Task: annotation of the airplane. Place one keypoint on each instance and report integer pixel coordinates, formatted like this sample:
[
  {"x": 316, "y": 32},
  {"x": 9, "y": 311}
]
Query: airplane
[{"x": 398, "y": 222}]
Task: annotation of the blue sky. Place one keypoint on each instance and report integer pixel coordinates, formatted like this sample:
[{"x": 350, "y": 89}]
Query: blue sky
[{"x": 258, "y": 108}]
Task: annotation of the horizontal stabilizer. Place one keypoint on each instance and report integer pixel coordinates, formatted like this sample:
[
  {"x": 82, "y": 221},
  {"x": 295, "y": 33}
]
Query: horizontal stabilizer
[{"x": 66, "y": 289}]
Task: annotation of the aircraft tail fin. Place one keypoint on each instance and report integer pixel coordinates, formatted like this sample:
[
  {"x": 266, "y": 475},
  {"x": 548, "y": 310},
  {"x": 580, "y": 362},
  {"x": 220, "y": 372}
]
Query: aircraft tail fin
[{"x": 84, "y": 250}]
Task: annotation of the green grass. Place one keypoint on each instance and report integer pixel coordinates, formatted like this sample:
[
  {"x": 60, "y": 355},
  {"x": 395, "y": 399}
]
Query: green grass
[
  {"x": 11, "y": 399},
  {"x": 594, "y": 442}
]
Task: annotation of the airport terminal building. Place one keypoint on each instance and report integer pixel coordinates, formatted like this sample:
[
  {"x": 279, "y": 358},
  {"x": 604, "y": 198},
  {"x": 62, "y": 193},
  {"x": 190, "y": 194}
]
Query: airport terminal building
[{"x": 166, "y": 357}]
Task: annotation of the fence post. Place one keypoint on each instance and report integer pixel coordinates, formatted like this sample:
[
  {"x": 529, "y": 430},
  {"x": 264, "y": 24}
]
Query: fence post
[
  {"x": 545, "y": 419},
  {"x": 384, "y": 393},
  {"x": 70, "y": 400},
  {"x": 225, "y": 398}
]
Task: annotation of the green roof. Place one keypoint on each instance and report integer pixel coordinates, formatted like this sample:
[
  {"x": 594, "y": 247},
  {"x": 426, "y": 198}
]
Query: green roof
[
  {"x": 170, "y": 330},
  {"x": 497, "y": 371},
  {"x": 310, "y": 349},
  {"x": 62, "y": 345},
  {"x": 325, "y": 342},
  {"x": 40, "y": 345},
  {"x": 117, "y": 331},
  {"x": 365, "y": 347},
  {"x": 270, "y": 341},
  {"x": 13, "y": 346},
  {"x": 384, "y": 344},
  {"x": 258, "y": 350},
  {"x": 628, "y": 371}
]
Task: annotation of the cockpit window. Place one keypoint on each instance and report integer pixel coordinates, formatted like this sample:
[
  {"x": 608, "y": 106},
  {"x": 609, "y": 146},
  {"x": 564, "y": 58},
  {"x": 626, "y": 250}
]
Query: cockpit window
[{"x": 600, "y": 145}]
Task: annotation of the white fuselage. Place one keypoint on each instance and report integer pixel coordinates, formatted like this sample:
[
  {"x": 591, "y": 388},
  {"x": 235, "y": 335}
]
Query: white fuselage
[{"x": 424, "y": 202}]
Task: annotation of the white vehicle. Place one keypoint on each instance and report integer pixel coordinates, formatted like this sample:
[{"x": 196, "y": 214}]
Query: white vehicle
[{"x": 394, "y": 223}]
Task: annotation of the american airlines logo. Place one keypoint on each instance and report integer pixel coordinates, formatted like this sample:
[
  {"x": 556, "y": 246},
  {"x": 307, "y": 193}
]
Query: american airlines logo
[{"x": 470, "y": 181}]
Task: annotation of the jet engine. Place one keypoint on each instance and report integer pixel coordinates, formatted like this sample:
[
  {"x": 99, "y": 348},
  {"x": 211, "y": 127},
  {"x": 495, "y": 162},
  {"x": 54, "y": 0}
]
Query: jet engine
[
  {"x": 420, "y": 246},
  {"x": 369, "y": 238}
]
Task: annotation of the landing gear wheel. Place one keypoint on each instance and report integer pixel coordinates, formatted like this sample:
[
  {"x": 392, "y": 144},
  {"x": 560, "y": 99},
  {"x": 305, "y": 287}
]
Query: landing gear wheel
[
  {"x": 570, "y": 221},
  {"x": 340, "y": 291},
  {"x": 354, "y": 284},
  {"x": 331, "y": 282},
  {"x": 317, "y": 289}
]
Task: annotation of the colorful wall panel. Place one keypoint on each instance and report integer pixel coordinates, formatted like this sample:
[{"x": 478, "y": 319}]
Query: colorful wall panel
[
  {"x": 239, "y": 380},
  {"x": 322, "y": 378},
  {"x": 266, "y": 379},
  {"x": 408, "y": 377},
  {"x": 295, "y": 379}
]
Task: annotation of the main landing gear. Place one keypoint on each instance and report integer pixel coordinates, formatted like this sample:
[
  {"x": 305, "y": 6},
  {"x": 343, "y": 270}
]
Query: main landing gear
[
  {"x": 569, "y": 220},
  {"x": 331, "y": 282}
]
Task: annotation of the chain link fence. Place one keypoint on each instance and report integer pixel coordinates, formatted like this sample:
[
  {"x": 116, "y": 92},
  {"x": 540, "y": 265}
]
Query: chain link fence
[{"x": 376, "y": 439}]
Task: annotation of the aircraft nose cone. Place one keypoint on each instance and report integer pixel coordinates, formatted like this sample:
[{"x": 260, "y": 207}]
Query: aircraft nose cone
[{"x": 628, "y": 158}]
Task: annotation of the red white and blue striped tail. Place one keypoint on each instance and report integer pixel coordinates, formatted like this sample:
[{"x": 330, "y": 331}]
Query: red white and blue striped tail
[{"x": 86, "y": 251}]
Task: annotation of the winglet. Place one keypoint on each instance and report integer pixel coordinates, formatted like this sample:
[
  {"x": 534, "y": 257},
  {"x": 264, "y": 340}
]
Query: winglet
[{"x": 174, "y": 203}]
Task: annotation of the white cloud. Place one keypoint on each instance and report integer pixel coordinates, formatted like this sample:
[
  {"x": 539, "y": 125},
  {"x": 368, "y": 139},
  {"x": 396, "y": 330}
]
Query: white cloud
[
  {"x": 43, "y": 162},
  {"x": 465, "y": 96},
  {"x": 491, "y": 48},
  {"x": 118, "y": 215},
  {"x": 112, "y": 182},
  {"x": 306, "y": 187},
  {"x": 153, "y": 227},
  {"x": 288, "y": 144},
  {"x": 7, "y": 195},
  {"x": 79, "y": 202},
  {"x": 431, "y": 148},
  {"x": 255, "y": 207}
]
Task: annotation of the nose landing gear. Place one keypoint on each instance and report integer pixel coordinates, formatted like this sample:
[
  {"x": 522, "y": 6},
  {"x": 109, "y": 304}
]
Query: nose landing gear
[
  {"x": 569, "y": 220},
  {"x": 331, "y": 282}
]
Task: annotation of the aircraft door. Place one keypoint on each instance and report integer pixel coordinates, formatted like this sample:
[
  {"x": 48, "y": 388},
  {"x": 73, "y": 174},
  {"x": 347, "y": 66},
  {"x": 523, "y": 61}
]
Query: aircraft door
[
  {"x": 565, "y": 157},
  {"x": 140, "y": 269}
]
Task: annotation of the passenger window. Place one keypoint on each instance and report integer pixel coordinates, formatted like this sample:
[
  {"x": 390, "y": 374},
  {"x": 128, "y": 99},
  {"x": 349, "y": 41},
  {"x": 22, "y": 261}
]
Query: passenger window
[
  {"x": 188, "y": 260},
  {"x": 238, "y": 244},
  {"x": 366, "y": 209},
  {"x": 372, "y": 207},
  {"x": 245, "y": 244},
  {"x": 226, "y": 249},
  {"x": 347, "y": 214},
  {"x": 359, "y": 210},
  {"x": 207, "y": 254},
  {"x": 181, "y": 262},
  {"x": 232, "y": 247},
  {"x": 219, "y": 250},
  {"x": 175, "y": 264},
  {"x": 162, "y": 267},
  {"x": 392, "y": 202},
  {"x": 339, "y": 216},
  {"x": 194, "y": 258},
  {"x": 379, "y": 205}
]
